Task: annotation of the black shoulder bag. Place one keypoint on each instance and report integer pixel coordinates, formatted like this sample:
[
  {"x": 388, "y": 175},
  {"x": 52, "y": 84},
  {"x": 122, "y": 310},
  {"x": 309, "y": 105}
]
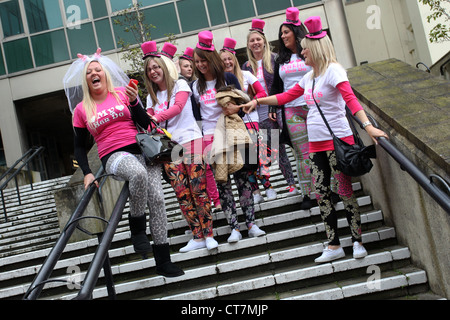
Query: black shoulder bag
[{"x": 352, "y": 160}]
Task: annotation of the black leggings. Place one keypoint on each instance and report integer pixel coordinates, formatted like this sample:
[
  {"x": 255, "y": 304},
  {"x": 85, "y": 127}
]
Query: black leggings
[{"x": 323, "y": 166}]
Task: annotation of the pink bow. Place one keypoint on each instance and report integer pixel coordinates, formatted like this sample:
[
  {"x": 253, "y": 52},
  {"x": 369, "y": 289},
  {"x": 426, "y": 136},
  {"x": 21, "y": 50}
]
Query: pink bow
[{"x": 83, "y": 57}]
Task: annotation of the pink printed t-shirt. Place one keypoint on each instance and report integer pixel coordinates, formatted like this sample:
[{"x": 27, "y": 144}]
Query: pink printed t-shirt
[{"x": 113, "y": 126}]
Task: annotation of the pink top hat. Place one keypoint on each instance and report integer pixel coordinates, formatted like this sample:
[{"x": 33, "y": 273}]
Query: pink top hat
[
  {"x": 314, "y": 25},
  {"x": 229, "y": 44},
  {"x": 258, "y": 25},
  {"x": 149, "y": 49},
  {"x": 188, "y": 54},
  {"x": 292, "y": 16},
  {"x": 205, "y": 41},
  {"x": 168, "y": 50}
]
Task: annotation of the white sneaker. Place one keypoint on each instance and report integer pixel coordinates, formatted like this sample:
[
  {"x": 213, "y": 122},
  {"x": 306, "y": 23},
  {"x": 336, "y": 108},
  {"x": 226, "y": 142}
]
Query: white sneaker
[
  {"x": 292, "y": 191},
  {"x": 271, "y": 194},
  {"x": 358, "y": 250},
  {"x": 211, "y": 243},
  {"x": 330, "y": 255},
  {"x": 193, "y": 245},
  {"x": 235, "y": 236},
  {"x": 255, "y": 231},
  {"x": 257, "y": 198}
]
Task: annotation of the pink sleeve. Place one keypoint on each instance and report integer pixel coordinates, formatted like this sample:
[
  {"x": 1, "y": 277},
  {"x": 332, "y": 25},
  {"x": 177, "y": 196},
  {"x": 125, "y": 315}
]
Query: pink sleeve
[
  {"x": 292, "y": 94},
  {"x": 349, "y": 97},
  {"x": 175, "y": 109},
  {"x": 260, "y": 92}
]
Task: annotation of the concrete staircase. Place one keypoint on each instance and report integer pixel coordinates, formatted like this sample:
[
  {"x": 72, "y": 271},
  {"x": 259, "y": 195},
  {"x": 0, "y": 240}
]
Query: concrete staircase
[{"x": 278, "y": 266}]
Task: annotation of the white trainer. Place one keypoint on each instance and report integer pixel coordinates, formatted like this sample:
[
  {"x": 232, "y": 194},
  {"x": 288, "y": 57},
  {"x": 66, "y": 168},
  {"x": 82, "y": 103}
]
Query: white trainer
[
  {"x": 292, "y": 191},
  {"x": 255, "y": 231},
  {"x": 330, "y": 255},
  {"x": 235, "y": 236},
  {"x": 359, "y": 251},
  {"x": 257, "y": 198},
  {"x": 193, "y": 245},
  {"x": 211, "y": 243},
  {"x": 271, "y": 194}
]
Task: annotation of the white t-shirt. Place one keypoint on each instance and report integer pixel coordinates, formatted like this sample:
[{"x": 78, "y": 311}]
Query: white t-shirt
[
  {"x": 291, "y": 73},
  {"x": 330, "y": 101},
  {"x": 209, "y": 108},
  {"x": 249, "y": 79},
  {"x": 183, "y": 126},
  {"x": 263, "y": 110}
]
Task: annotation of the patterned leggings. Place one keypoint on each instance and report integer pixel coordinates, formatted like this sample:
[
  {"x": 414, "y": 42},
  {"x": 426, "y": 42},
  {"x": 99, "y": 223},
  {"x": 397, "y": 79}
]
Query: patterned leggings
[
  {"x": 296, "y": 124},
  {"x": 283, "y": 159},
  {"x": 323, "y": 166},
  {"x": 145, "y": 189},
  {"x": 245, "y": 198},
  {"x": 188, "y": 179}
]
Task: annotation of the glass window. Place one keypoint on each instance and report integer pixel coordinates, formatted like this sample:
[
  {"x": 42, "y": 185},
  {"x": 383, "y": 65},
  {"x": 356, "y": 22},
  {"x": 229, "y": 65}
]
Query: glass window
[
  {"x": 99, "y": 8},
  {"x": 43, "y": 15},
  {"x": 82, "y": 40},
  {"x": 11, "y": 18},
  {"x": 216, "y": 12},
  {"x": 121, "y": 34},
  {"x": 75, "y": 10},
  {"x": 18, "y": 55},
  {"x": 267, "y": 6},
  {"x": 117, "y": 5},
  {"x": 150, "y": 2},
  {"x": 239, "y": 9},
  {"x": 104, "y": 34},
  {"x": 2, "y": 65},
  {"x": 164, "y": 19},
  {"x": 303, "y": 2},
  {"x": 192, "y": 15},
  {"x": 50, "y": 47}
]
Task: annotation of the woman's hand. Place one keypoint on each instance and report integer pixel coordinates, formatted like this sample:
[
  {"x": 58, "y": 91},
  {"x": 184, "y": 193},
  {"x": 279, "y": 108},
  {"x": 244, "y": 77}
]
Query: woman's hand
[
  {"x": 375, "y": 133},
  {"x": 88, "y": 179},
  {"x": 132, "y": 91},
  {"x": 230, "y": 109},
  {"x": 249, "y": 106}
]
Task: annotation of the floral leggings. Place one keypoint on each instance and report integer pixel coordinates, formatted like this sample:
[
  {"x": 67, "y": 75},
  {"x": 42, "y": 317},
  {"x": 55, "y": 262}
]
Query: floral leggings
[
  {"x": 296, "y": 123},
  {"x": 244, "y": 187},
  {"x": 145, "y": 189},
  {"x": 323, "y": 167},
  {"x": 188, "y": 179}
]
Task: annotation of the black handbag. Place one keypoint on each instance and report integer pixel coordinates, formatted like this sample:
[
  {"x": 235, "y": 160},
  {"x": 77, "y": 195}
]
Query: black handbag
[
  {"x": 156, "y": 146},
  {"x": 352, "y": 160}
]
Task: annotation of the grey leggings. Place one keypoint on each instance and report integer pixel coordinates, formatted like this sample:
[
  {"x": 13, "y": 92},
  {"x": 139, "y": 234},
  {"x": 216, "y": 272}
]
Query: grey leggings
[{"x": 145, "y": 189}]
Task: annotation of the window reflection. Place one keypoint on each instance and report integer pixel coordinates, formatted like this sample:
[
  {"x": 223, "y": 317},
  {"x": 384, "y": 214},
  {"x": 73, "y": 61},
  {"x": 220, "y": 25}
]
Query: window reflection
[
  {"x": 43, "y": 15},
  {"x": 11, "y": 18},
  {"x": 49, "y": 48}
]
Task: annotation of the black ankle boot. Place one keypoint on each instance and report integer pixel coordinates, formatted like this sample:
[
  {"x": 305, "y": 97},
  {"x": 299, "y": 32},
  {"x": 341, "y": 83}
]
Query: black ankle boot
[
  {"x": 307, "y": 203},
  {"x": 164, "y": 265},
  {"x": 139, "y": 237}
]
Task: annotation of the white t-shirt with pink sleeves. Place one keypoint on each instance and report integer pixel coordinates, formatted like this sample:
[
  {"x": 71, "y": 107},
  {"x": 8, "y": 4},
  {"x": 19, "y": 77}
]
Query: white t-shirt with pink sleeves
[
  {"x": 183, "y": 126},
  {"x": 113, "y": 126},
  {"x": 330, "y": 101}
]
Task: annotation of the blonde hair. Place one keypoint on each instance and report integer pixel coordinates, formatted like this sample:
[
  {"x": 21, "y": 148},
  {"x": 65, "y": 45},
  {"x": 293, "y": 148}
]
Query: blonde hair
[
  {"x": 89, "y": 105},
  {"x": 267, "y": 55},
  {"x": 237, "y": 71},
  {"x": 322, "y": 53},
  {"x": 170, "y": 77}
]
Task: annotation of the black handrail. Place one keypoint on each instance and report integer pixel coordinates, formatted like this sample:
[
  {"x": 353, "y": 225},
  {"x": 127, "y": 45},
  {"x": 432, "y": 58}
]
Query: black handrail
[
  {"x": 100, "y": 258},
  {"x": 442, "y": 198},
  {"x": 26, "y": 159}
]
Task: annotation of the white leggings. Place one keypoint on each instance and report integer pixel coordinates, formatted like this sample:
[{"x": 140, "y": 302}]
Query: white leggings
[{"x": 145, "y": 189}]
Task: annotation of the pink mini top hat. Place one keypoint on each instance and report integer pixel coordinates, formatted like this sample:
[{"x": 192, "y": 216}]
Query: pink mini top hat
[
  {"x": 205, "y": 41},
  {"x": 258, "y": 25},
  {"x": 168, "y": 50},
  {"x": 314, "y": 25},
  {"x": 149, "y": 49},
  {"x": 188, "y": 54},
  {"x": 229, "y": 44},
  {"x": 292, "y": 16}
]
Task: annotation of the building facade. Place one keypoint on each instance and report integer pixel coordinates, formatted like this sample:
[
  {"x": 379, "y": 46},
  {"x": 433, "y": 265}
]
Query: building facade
[{"x": 39, "y": 39}]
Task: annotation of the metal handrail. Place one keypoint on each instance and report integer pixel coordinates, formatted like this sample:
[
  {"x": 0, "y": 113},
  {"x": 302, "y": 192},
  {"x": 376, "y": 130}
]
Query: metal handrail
[
  {"x": 100, "y": 259},
  {"x": 26, "y": 159},
  {"x": 442, "y": 198}
]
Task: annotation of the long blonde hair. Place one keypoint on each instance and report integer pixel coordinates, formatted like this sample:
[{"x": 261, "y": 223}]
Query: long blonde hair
[
  {"x": 237, "y": 71},
  {"x": 170, "y": 77},
  {"x": 267, "y": 55},
  {"x": 89, "y": 105},
  {"x": 322, "y": 53}
]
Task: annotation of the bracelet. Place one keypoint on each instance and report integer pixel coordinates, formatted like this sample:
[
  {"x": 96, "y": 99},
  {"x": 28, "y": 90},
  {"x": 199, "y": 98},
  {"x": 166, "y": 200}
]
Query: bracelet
[
  {"x": 366, "y": 124},
  {"x": 257, "y": 102}
]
